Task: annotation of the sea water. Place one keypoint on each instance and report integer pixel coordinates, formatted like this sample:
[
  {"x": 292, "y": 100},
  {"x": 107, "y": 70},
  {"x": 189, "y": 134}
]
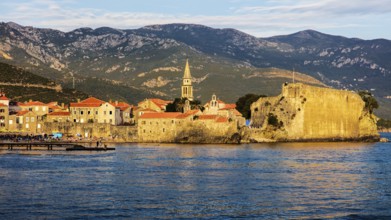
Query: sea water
[{"x": 272, "y": 181}]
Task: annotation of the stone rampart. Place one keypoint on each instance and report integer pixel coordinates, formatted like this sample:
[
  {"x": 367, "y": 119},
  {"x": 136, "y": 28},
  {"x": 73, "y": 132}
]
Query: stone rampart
[
  {"x": 93, "y": 130},
  {"x": 304, "y": 112}
]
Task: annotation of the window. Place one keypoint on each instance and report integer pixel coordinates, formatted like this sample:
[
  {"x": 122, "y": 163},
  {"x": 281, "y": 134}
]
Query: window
[
  {"x": 39, "y": 125},
  {"x": 74, "y": 120},
  {"x": 96, "y": 112},
  {"x": 144, "y": 130},
  {"x": 164, "y": 130},
  {"x": 89, "y": 112},
  {"x": 32, "y": 119},
  {"x": 1, "y": 110},
  {"x": 44, "y": 108},
  {"x": 30, "y": 109},
  {"x": 2, "y": 125},
  {"x": 111, "y": 120},
  {"x": 81, "y": 112},
  {"x": 10, "y": 122},
  {"x": 172, "y": 121},
  {"x": 74, "y": 112},
  {"x": 143, "y": 122},
  {"x": 27, "y": 119},
  {"x": 111, "y": 112},
  {"x": 36, "y": 108},
  {"x": 104, "y": 112},
  {"x": 81, "y": 120},
  {"x": 27, "y": 126}
]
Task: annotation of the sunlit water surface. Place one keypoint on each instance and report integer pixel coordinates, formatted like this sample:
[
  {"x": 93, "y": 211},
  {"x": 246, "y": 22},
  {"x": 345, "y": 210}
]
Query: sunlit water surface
[{"x": 275, "y": 181}]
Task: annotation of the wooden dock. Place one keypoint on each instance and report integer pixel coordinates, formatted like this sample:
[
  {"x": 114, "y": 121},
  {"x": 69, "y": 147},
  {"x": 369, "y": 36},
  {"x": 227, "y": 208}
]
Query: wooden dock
[{"x": 64, "y": 146}]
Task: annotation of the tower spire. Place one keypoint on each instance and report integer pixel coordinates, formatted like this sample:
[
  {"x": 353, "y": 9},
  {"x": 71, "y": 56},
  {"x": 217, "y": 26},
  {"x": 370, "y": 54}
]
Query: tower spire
[
  {"x": 187, "y": 88},
  {"x": 187, "y": 74}
]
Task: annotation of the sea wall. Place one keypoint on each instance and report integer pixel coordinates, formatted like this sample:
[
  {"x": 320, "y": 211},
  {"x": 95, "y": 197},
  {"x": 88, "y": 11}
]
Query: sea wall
[
  {"x": 93, "y": 130},
  {"x": 195, "y": 131},
  {"x": 303, "y": 112}
]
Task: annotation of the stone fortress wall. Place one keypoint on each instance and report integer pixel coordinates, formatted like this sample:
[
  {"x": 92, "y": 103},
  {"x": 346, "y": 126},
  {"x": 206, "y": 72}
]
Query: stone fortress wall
[{"x": 303, "y": 112}]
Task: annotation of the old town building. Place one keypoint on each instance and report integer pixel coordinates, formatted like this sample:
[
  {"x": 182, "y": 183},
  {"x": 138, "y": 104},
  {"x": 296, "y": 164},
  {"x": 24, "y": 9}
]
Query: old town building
[{"x": 93, "y": 110}]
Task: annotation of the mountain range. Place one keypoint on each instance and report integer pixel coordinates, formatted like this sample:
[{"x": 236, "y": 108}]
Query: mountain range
[{"x": 149, "y": 61}]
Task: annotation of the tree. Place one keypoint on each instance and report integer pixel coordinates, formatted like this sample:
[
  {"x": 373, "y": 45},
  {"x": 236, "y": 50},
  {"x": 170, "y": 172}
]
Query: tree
[
  {"x": 370, "y": 101},
  {"x": 178, "y": 104},
  {"x": 244, "y": 103}
]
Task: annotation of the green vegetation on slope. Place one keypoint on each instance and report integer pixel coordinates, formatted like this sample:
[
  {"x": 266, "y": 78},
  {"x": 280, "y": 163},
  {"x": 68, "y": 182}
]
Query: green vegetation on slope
[
  {"x": 14, "y": 76},
  {"x": 107, "y": 90}
]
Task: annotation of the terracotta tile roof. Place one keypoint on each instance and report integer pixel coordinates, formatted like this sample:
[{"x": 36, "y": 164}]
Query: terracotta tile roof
[
  {"x": 160, "y": 103},
  {"x": 229, "y": 106},
  {"x": 207, "y": 117},
  {"x": 121, "y": 105},
  {"x": 192, "y": 112},
  {"x": 32, "y": 103},
  {"x": 237, "y": 113},
  {"x": 52, "y": 104},
  {"x": 59, "y": 114},
  {"x": 160, "y": 115},
  {"x": 221, "y": 119},
  {"x": 90, "y": 102},
  {"x": 216, "y": 118},
  {"x": 20, "y": 113},
  {"x": 55, "y": 107},
  {"x": 188, "y": 113},
  {"x": 145, "y": 109},
  {"x": 2, "y": 105},
  {"x": 3, "y": 97}
]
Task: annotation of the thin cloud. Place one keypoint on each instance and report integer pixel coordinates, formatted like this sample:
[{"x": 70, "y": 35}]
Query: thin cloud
[{"x": 271, "y": 18}]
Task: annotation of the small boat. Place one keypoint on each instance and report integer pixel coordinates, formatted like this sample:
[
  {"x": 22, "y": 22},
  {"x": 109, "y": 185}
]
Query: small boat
[{"x": 82, "y": 148}]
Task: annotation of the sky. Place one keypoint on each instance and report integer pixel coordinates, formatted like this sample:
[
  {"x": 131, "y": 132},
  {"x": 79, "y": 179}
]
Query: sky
[{"x": 365, "y": 19}]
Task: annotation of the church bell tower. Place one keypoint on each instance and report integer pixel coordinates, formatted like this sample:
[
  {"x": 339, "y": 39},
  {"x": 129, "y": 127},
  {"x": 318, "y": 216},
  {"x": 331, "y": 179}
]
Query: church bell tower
[{"x": 187, "y": 88}]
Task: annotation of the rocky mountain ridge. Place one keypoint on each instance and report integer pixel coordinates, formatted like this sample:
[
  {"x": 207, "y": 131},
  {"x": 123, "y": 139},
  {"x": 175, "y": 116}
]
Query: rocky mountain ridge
[{"x": 224, "y": 61}]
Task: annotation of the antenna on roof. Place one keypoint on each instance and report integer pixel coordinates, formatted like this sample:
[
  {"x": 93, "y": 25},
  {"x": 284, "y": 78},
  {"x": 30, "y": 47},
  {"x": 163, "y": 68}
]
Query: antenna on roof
[{"x": 293, "y": 75}]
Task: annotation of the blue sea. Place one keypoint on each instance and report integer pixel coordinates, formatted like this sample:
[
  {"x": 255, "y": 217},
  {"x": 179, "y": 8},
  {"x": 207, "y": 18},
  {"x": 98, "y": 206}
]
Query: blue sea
[{"x": 164, "y": 181}]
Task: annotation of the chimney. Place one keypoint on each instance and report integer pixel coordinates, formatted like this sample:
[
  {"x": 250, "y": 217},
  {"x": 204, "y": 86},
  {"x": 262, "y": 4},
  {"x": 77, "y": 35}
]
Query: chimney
[
  {"x": 78, "y": 100},
  {"x": 116, "y": 102},
  {"x": 62, "y": 105},
  {"x": 30, "y": 100}
]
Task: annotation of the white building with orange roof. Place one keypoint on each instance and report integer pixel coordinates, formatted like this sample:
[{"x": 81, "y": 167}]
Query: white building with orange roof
[
  {"x": 58, "y": 117},
  {"x": 126, "y": 112},
  {"x": 39, "y": 108},
  {"x": 163, "y": 126},
  {"x": 158, "y": 105},
  {"x": 93, "y": 110},
  {"x": 218, "y": 107},
  {"x": 25, "y": 121},
  {"x": 4, "y": 112},
  {"x": 55, "y": 107}
]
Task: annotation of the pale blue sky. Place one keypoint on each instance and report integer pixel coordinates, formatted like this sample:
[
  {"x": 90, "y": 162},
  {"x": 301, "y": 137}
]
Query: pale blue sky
[{"x": 366, "y": 19}]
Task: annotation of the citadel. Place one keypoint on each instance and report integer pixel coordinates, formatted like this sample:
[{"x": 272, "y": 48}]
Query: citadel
[
  {"x": 119, "y": 121},
  {"x": 300, "y": 113}
]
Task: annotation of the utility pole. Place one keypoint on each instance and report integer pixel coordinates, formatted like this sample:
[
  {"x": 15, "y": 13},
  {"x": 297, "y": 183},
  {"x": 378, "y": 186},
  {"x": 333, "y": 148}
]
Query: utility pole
[{"x": 293, "y": 75}]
